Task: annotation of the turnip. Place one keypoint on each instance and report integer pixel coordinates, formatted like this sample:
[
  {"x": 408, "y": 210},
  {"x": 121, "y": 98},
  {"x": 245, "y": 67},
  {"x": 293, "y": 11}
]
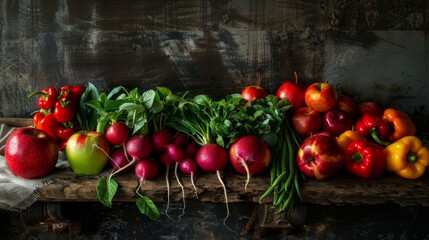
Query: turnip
[
  {"x": 189, "y": 166},
  {"x": 250, "y": 155},
  {"x": 177, "y": 154},
  {"x": 118, "y": 133}
]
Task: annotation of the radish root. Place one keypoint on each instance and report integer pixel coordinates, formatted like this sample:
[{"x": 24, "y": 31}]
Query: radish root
[
  {"x": 168, "y": 193},
  {"x": 226, "y": 199},
  {"x": 193, "y": 184},
  {"x": 247, "y": 173},
  {"x": 183, "y": 190}
]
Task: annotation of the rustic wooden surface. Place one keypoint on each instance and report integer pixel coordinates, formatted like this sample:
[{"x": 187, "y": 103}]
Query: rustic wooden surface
[{"x": 340, "y": 190}]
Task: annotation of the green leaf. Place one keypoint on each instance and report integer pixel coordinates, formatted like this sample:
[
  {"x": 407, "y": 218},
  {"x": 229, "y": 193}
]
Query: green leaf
[
  {"x": 147, "y": 207},
  {"x": 106, "y": 190},
  {"x": 148, "y": 97},
  {"x": 86, "y": 116}
]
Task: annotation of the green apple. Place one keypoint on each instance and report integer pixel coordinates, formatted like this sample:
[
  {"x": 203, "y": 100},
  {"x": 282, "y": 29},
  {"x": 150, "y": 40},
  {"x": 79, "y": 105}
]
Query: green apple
[{"x": 87, "y": 152}]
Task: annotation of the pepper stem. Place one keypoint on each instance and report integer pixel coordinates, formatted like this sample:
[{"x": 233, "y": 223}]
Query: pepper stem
[
  {"x": 357, "y": 157},
  {"x": 412, "y": 157},
  {"x": 374, "y": 135}
]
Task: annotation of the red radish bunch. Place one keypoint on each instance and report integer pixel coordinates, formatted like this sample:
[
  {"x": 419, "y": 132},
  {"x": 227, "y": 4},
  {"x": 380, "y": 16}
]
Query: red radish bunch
[{"x": 171, "y": 150}]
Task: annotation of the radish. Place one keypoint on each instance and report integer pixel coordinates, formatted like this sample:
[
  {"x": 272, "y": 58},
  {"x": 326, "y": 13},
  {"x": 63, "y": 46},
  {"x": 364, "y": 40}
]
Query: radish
[
  {"x": 189, "y": 166},
  {"x": 181, "y": 139},
  {"x": 161, "y": 139},
  {"x": 139, "y": 147},
  {"x": 146, "y": 169},
  {"x": 250, "y": 155},
  {"x": 118, "y": 158},
  {"x": 212, "y": 157},
  {"x": 118, "y": 133},
  {"x": 177, "y": 153},
  {"x": 197, "y": 118},
  {"x": 192, "y": 148},
  {"x": 165, "y": 160}
]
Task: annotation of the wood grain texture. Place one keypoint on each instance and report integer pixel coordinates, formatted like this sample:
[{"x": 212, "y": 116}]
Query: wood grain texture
[
  {"x": 213, "y": 47},
  {"x": 341, "y": 190}
]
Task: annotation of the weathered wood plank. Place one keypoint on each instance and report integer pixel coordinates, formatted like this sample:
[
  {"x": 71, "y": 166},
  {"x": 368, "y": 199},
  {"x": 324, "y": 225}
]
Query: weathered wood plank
[{"x": 340, "y": 190}]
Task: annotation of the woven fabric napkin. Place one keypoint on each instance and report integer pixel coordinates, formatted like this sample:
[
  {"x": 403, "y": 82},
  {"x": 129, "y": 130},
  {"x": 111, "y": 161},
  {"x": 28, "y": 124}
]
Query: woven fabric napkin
[{"x": 18, "y": 193}]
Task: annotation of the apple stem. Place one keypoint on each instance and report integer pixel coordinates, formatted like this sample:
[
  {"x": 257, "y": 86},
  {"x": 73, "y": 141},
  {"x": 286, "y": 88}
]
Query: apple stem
[
  {"x": 259, "y": 80},
  {"x": 296, "y": 77}
]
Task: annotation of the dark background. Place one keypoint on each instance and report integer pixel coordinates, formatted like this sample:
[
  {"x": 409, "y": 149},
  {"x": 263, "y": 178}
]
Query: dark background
[{"x": 371, "y": 50}]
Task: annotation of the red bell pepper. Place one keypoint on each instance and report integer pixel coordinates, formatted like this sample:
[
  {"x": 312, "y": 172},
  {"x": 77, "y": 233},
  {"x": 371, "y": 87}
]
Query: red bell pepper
[
  {"x": 64, "y": 111},
  {"x": 50, "y": 125},
  {"x": 48, "y": 97},
  {"x": 37, "y": 118},
  {"x": 365, "y": 159},
  {"x": 373, "y": 126},
  {"x": 72, "y": 92},
  {"x": 67, "y": 129}
]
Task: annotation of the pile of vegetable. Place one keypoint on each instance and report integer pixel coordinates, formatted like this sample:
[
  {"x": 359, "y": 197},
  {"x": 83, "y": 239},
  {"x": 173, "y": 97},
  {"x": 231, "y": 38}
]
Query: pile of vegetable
[{"x": 301, "y": 131}]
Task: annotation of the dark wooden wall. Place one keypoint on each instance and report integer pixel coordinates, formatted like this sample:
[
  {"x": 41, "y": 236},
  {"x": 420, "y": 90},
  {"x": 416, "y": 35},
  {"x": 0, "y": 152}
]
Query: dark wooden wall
[{"x": 215, "y": 47}]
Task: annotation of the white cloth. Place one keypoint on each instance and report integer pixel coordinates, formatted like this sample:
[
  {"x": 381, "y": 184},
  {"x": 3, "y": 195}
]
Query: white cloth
[{"x": 18, "y": 193}]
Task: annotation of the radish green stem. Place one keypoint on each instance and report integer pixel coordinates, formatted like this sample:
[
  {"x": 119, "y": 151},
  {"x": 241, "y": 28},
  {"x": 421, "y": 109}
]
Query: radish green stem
[
  {"x": 247, "y": 174},
  {"x": 183, "y": 190},
  {"x": 193, "y": 184}
]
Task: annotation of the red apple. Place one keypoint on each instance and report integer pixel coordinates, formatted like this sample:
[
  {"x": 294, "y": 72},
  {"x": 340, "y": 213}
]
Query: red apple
[
  {"x": 337, "y": 121},
  {"x": 251, "y": 151},
  {"x": 320, "y": 157},
  {"x": 321, "y": 96},
  {"x": 253, "y": 92},
  {"x": 369, "y": 106},
  {"x": 87, "y": 152},
  {"x": 347, "y": 104},
  {"x": 294, "y": 92},
  {"x": 30, "y": 153},
  {"x": 306, "y": 121}
]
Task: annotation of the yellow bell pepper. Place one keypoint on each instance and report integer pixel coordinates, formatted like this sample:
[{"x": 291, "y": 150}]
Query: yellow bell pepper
[
  {"x": 347, "y": 137},
  {"x": 407, "y": 157}
]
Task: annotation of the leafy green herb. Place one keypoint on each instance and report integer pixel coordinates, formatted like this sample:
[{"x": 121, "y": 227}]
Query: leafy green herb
[
  {"x": 147, "y": 207},
  {"x": 106, "y": 190},
  {"x": 87, "y": 116}
]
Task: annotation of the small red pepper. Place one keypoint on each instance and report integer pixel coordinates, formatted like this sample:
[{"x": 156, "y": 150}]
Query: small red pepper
[
  {"x": 48, "y": 97},
  {"x": 65, "y": 133},
  {"x": 370, "y": 125},
  {"x": 64, "y": 111},
  {"x": 365, "y": 159},
  {"x": 37, "y": 118},
  {"x": 50, "y": 125},
  {"x": 67, "y": 129},
  {"x": 72, "y": 92}
]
